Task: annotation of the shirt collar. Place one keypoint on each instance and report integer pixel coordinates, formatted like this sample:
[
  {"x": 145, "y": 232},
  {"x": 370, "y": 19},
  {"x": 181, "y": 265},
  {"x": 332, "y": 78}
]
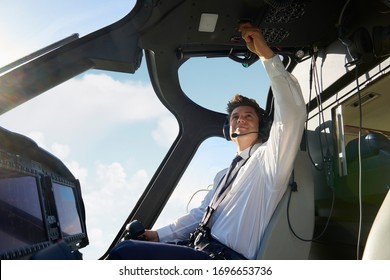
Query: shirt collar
[{"x": 245, "y": 154}]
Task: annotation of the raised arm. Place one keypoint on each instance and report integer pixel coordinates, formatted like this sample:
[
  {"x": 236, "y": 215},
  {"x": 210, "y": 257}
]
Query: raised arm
[{"x": 255, "y": 41}]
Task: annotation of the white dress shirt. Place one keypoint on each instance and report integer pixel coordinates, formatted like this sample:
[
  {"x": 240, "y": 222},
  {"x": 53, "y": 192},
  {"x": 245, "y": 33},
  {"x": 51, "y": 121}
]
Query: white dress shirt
[{"x": 241, "y": 218}]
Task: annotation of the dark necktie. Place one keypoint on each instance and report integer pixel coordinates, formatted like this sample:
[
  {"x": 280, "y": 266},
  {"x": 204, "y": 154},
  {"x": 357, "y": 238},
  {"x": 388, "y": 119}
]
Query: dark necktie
[
  {"x": 228, "y": 180},
  {"x": 216, "y": 200}
]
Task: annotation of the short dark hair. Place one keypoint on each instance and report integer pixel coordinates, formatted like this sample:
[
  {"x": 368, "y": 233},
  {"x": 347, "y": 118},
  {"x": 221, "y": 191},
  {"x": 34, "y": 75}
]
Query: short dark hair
[{"x": 239, "y": 100}]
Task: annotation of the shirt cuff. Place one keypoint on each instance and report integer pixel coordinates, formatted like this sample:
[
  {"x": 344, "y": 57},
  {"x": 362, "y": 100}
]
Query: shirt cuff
[{"x": 164, "y": 233}]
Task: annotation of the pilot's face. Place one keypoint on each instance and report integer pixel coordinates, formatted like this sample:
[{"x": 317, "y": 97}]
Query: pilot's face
[{"x": 244, "y": 120}]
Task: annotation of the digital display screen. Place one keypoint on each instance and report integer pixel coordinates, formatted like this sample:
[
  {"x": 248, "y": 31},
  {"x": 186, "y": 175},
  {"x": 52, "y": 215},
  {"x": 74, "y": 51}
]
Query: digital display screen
[
  {"x": 67, "y": 209},
  {"x": 21, "y": 221}
]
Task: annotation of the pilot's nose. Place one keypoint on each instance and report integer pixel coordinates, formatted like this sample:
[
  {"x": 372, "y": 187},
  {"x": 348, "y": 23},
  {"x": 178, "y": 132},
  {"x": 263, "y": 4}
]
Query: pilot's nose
[{"x": 240, "y": 119}]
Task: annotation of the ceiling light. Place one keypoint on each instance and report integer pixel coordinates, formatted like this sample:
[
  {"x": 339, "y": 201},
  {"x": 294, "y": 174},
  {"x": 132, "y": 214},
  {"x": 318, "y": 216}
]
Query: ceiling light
[{"x": 208, "y": 22}]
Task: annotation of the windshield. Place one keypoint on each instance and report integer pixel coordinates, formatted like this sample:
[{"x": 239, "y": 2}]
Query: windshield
[
  {"x": 211, "y": 82},
  {"x": 89, "y": 121}
]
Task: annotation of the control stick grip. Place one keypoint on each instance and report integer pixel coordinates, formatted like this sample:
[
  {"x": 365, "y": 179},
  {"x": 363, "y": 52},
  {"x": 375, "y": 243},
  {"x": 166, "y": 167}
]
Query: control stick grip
[{"x": 135, "y": 230}]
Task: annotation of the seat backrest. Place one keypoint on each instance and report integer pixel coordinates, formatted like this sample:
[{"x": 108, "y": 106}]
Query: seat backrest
[
  {"x": 372, "y": 144},
  {"x": 375, "y": 168},
  {"x": 377, "y": 245},
  {"x": 279, "y": 242}
]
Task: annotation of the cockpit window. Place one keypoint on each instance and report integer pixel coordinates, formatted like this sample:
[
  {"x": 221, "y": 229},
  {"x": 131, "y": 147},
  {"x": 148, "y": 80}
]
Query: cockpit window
[
  {"x": 211, "y": 82},
  {"x": 212, "y": 156},
  {"x": 111, "y": 131},
  {"x": 84, "y": 120}
]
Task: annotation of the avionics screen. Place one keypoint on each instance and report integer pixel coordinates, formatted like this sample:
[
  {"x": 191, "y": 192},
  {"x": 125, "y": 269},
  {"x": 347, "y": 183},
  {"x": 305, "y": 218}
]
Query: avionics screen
[
  {"x": 21, "y": 222},
  {"x": 67, "y": 209}
]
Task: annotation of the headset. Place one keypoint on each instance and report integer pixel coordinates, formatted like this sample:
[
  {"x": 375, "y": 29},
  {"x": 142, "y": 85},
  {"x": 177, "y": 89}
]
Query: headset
[{"x": 263, "y": 132}]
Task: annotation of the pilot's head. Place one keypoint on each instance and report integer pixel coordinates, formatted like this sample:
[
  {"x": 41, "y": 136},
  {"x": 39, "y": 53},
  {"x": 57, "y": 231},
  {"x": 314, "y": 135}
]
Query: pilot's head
[
  {"x": 244, "y": 117},
  {"x": 239, "y": 100}
]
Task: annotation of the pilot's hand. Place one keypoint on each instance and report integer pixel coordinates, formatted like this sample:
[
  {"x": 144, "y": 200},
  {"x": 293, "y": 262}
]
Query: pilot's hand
[
  {"x": 151, "y": 235},
  {"x": 255, "y": 40}
]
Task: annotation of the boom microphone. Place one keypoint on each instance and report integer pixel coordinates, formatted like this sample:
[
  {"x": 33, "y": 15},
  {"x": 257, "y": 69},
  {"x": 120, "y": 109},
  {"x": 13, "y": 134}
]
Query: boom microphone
[{"x": 235, "y": 135}]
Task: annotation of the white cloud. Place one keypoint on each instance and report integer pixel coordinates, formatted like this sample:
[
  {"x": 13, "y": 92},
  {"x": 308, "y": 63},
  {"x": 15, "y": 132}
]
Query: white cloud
[
  {"x": 166, "y": 131},
  {"x": 102, "y": 96},
  {"x": 91, "y": 109},
  {"x": 96, "y": 237},
  {"x": 109, "y": 198},
  {"x": 60, "y": 150},
  {"x": 81, "y": 173},
  {"x": 140, "y": 179},
  {"x": 111, "y": 175},
  {"x": 86, "y": 106},
  {"x": 38, "y": 137}
]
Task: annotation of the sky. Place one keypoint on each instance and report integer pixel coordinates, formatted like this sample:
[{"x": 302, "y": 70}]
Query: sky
[{"x": 94, "y": 122}]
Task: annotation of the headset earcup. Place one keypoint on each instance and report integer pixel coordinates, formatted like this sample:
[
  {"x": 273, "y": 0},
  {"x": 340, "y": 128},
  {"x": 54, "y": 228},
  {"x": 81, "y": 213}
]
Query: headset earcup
[
  {"x": 226, "y": 130},
  {"x": 264, "y": 128}
]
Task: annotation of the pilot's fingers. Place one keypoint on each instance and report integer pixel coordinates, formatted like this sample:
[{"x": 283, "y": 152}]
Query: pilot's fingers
[
  {"x": 244, "y": 25},
  {"x": 151, "y": 235},
  {"x": 248, "y": 34}
]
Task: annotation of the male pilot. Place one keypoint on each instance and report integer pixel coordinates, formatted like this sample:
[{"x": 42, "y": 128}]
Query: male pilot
[{"x": 236, "y": 212}]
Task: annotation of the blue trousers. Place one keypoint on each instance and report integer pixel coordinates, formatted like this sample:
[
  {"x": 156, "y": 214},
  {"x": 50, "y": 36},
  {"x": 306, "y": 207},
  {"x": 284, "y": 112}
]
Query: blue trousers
[{"x": 144, "y": 250}]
